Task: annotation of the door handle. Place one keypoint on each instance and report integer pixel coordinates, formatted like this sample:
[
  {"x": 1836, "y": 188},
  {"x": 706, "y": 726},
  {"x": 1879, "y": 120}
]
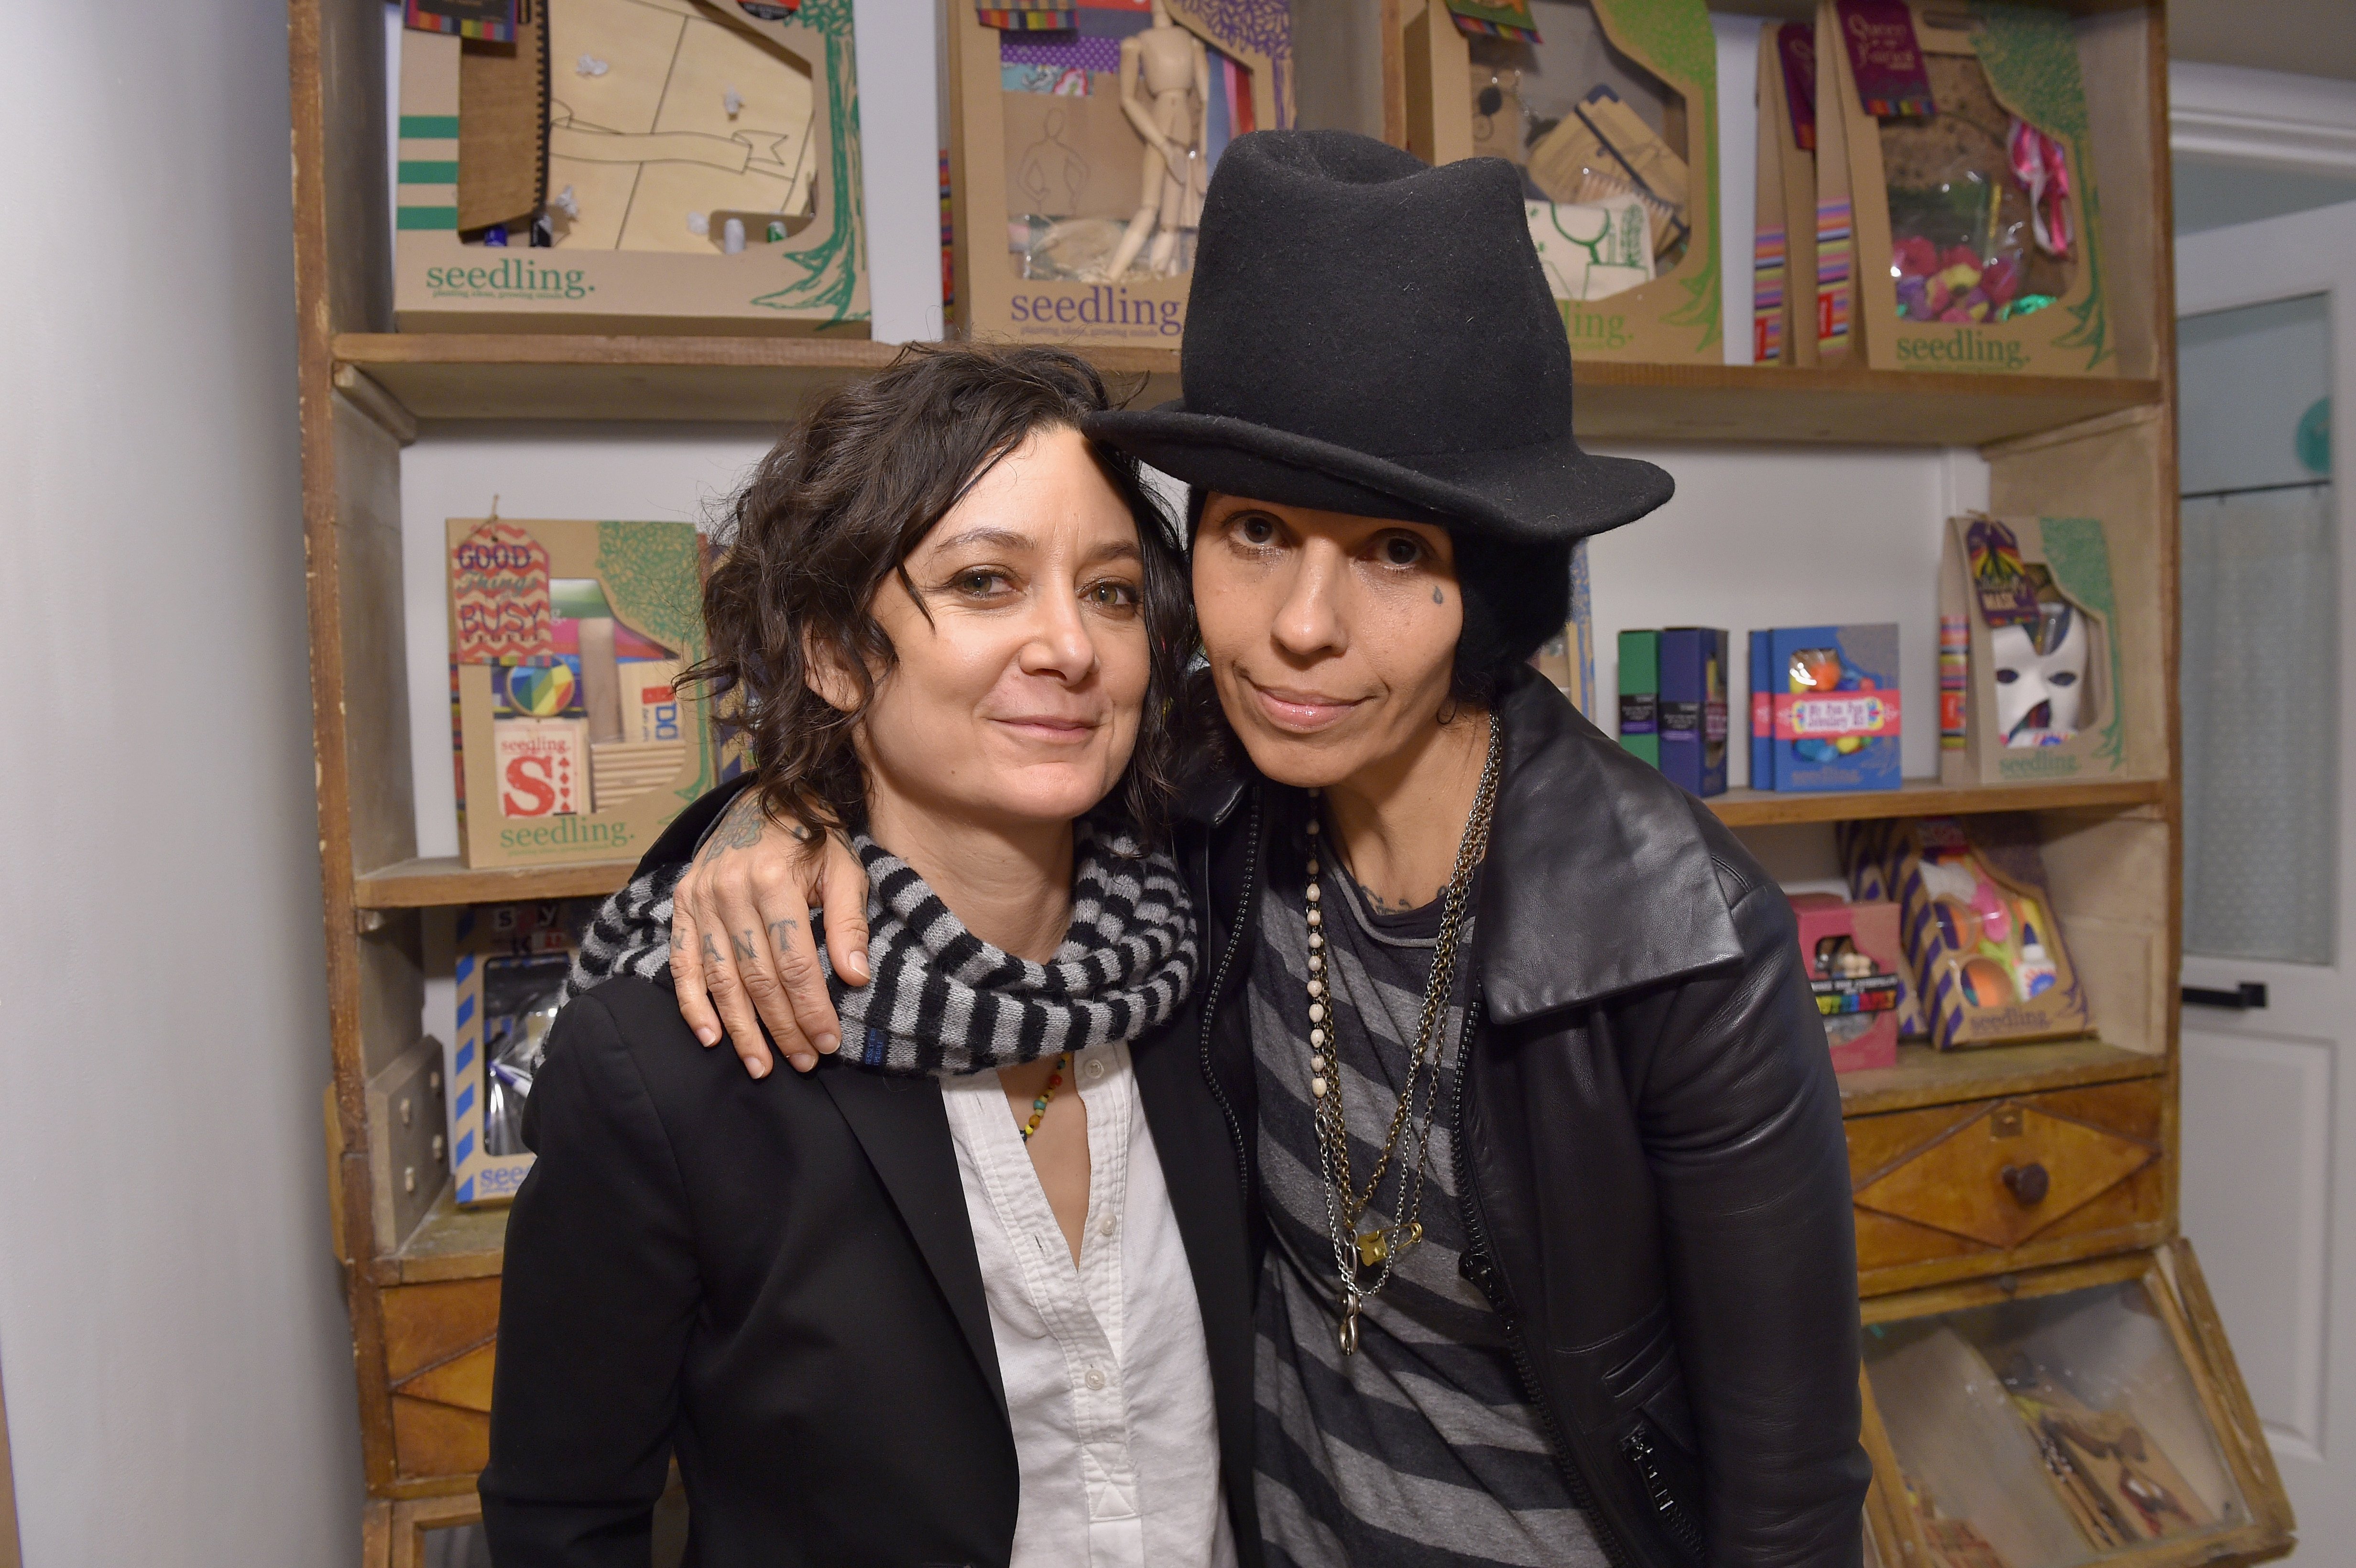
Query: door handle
[{"x": 2249, "y": 995}]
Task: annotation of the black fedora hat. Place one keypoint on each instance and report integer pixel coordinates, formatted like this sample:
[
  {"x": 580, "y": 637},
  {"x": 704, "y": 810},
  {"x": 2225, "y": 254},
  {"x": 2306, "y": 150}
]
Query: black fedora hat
[{"x": 1366, "y": 334}]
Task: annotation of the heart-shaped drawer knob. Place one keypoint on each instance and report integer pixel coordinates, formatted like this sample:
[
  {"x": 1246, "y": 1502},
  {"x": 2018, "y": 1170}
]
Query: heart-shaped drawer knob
[{"x": 2027, "y": 1183}]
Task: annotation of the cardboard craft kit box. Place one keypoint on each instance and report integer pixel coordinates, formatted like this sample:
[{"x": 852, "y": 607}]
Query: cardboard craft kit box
[
  {"x": 1610, "y": 110},
  {"x": 1788, "y": 311},
  {"x": 2031, "y": 672},
  {"x": 1855, "y": 966},
  {"x": 1963, "y": 141},
  {"x": 633, "y": 165},
  {"x": 566, "y": 638},
  {"x": 1056, "y": 237},
  {"x": 509, "y": 964},
  {"x": 1981, "y": 936},
  {"x": 1840, "y": 313}
]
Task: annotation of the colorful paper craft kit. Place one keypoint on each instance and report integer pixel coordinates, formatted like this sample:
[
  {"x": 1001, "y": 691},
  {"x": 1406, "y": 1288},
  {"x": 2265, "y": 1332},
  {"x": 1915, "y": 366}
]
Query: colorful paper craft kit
[
  {"x": 1047, "y": 170},
  {"x": 510, "y": 964},
  {"x": 1856, "y": 966},
  {"x": 2028, "y": 637},
  {"x": 1964, "y": 139},
  {"x": 1977, "y": 922},
  {"x": 1824, "y": 709},
  {"x": 690, "y": 166},
  {"x": 1610, "y": 108},
  {"x": 566, "y": 638}
]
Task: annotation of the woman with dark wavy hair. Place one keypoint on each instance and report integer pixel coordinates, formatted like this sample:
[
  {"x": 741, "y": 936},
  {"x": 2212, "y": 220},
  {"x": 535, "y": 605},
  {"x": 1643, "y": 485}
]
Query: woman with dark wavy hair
[{"x": 944, "y": 1299}]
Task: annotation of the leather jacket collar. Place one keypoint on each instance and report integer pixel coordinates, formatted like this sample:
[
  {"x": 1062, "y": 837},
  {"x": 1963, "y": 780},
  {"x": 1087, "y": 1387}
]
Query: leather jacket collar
[{"x": 1649, "y": 907}]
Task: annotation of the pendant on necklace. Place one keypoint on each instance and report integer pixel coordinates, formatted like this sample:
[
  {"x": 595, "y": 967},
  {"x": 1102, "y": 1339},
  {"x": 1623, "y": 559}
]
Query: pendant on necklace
[
  {"x": 1374, "y": 1246},
  {"x": 1347, "y": 1335}
]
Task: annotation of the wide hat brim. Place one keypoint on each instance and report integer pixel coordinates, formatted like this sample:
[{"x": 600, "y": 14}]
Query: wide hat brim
[{"x": 1545, "y": 492}]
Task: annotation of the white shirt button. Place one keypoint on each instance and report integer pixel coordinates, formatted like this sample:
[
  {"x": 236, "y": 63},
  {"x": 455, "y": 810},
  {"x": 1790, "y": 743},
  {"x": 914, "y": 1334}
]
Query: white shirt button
[
  {"x": 1095, "y": 1070},
  {"x": 1095, "y": 1378},
  {"x": 1106, "y": 1225}
]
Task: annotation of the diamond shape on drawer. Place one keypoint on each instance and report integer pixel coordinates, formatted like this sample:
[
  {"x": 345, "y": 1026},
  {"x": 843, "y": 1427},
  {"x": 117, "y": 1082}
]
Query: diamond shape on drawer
[{"x": 2003, "y": 1175}]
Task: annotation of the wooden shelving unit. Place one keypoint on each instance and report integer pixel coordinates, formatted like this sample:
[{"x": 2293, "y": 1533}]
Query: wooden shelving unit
[
  {"x": 1928, "y": 798},
  {"x": 422, "y": 1274},
  {"x": 445, "y": 879},
  {"x": 449, "y": 375}
]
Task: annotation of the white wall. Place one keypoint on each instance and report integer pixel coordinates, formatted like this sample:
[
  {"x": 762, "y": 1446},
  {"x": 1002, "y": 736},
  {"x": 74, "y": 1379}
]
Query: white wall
[{"x": 178, "y": 1366}]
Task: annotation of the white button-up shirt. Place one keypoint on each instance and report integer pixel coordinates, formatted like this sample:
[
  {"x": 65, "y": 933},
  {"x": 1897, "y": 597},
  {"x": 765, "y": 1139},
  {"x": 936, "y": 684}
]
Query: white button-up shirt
[{"x": 1108, "y": 1382}]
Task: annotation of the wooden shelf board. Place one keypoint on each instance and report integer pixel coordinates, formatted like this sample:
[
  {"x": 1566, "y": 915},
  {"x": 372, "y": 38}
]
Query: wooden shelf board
[
  {"x": 1928, "y": 1077},
  {"x": 449, "y": 1243},
  {"x": 1926, "y": 797},
  {"x": 478, "y": 375},
  {"x": 448, "y": 880},
  {"x": 1850, "y": 407}
]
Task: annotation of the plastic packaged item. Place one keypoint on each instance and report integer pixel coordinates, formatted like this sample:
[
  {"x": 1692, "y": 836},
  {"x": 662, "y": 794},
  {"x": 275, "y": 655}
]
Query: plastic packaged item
[
  {"x": 2036, "y": 652},
  {"x": 1965, "y": 134},
  {"x": 1856, "y": 966},
  {"x": 1981, "y": 935},
  {"x": 1834, "y": 704},
  {"x": 509, "y": 964}
]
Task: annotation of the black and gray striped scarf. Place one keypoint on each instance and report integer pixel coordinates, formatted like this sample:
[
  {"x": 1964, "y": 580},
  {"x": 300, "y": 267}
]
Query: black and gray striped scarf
[{"x": 943, "y": 1000}]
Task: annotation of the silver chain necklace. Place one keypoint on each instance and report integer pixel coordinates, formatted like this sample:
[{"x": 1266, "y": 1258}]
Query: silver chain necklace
[{"x": 1380, "y": 1247}]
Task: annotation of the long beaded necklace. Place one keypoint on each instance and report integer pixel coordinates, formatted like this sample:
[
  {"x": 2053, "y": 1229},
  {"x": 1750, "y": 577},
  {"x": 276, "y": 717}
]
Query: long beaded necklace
[
  {"x": 1379, "y": 1247},
  {"x": 1039, "y": 1106}
]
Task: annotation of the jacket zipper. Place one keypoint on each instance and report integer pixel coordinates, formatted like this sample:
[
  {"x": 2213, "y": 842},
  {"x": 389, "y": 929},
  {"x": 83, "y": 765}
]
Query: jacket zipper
[
  {"x": 1639, "y": 1450},
  {"x": 1219, "y": 983},
  {"x": 1492, "y": 1285}
]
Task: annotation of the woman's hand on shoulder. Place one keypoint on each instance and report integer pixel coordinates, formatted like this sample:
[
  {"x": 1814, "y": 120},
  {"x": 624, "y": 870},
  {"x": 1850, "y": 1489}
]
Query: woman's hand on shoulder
[{"x": 743, "y": 953}]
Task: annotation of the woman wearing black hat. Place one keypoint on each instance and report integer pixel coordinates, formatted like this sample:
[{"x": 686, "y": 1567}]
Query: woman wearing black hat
[{"x": 1530, "y": 1105}]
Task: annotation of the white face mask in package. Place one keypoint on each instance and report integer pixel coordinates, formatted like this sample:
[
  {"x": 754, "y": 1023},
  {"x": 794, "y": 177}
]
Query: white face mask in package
[{"x": 2040, "y": 676}]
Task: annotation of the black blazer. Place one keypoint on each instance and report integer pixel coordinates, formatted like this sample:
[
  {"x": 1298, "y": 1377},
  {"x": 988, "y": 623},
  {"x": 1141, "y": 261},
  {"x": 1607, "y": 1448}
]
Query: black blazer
[{"x": 775, "y": 1280}]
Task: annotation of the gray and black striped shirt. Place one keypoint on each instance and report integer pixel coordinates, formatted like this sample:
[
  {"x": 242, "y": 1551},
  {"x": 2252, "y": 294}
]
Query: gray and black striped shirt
[{"x": 1422, "y": 1449}]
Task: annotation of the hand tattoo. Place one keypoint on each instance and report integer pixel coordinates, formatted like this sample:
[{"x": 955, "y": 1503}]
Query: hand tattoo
[
  {"x": 744, "y": 943},
  {"x": 678, "y": 939},
  {"x": 781, "y": 929},
  {"x": 739, "y": 829},
  {"x": 711, "y": 958}
]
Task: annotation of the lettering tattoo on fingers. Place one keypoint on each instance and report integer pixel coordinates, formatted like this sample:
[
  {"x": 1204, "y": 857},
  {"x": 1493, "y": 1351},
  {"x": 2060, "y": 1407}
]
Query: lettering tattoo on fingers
[
  {"x": 743, "y": 941},
  {"x": 712, "y": 957},
  {"x": 781, "y": 931}
]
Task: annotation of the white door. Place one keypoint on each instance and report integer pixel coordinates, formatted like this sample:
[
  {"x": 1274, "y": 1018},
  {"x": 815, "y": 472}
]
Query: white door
[{"x": 2266, "y": 353}]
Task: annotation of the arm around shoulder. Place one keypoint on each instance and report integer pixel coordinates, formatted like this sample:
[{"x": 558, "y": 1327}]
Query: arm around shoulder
[
  {"x": 595, "y": 1312},
  {"x": 1742, "y": 1126}
]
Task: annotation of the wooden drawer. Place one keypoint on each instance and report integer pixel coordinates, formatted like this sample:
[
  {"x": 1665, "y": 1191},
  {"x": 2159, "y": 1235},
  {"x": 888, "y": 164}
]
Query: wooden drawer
[
  {"x": 1987, "y": 1186},
  {"x": 439, "y": 1343}
]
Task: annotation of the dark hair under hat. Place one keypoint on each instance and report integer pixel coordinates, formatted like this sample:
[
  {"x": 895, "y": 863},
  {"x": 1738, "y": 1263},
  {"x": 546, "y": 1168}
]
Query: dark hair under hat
[{"x": 1365, "y": 333}]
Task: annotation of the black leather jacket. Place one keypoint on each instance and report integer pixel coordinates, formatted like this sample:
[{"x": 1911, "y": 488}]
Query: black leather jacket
[{"x": 1655, "y": 1182}]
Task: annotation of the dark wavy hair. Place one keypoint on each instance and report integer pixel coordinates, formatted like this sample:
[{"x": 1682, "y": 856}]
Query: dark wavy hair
[{"x": 837, "y": 507}]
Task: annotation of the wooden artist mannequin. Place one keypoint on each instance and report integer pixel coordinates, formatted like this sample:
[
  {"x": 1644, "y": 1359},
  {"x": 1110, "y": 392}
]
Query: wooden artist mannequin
[{"x": 1174, "y": 71}]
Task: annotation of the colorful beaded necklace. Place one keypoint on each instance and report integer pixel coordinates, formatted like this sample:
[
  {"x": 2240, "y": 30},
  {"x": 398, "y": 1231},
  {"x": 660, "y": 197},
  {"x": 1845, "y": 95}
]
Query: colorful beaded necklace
[{"x": 1039, "y": 1106}]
